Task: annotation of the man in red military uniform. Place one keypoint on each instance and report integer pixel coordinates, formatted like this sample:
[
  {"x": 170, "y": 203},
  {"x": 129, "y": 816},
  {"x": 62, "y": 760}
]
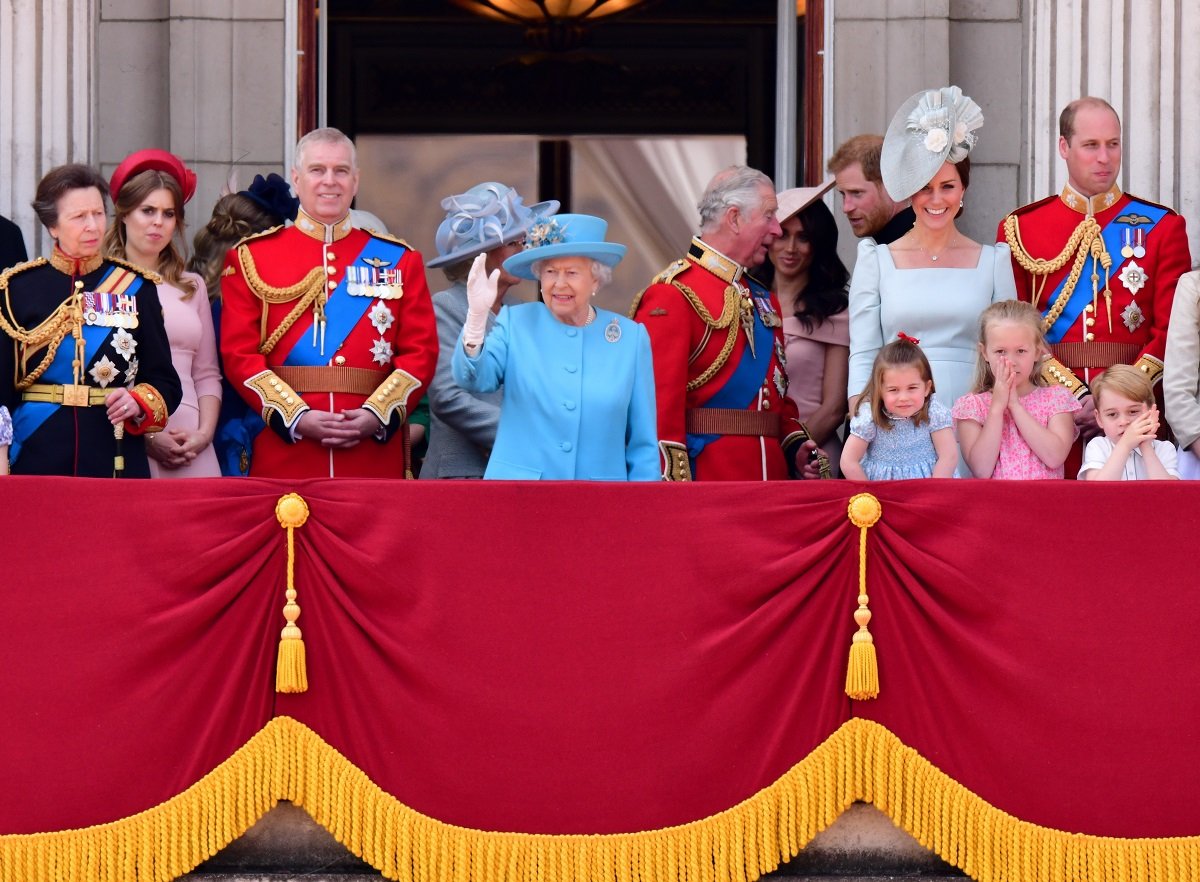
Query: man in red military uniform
[
  {"x": 1100, "y": 264},
  {"x": 327, "y": 330},
  {"x": 717, "y": 339}
]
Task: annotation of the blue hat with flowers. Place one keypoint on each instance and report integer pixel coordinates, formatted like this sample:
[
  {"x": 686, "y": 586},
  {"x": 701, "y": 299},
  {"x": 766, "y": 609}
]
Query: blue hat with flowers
[
  {"x": 485, "y": 217},
  {"x": 565, "y": 235}
]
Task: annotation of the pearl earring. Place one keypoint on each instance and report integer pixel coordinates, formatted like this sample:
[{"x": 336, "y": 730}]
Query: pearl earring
[{"x": 960, "y": 203}]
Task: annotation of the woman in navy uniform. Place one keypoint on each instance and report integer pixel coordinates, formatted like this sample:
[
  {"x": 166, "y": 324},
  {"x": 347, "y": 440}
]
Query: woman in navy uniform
[{"x": 86, "y": 369}]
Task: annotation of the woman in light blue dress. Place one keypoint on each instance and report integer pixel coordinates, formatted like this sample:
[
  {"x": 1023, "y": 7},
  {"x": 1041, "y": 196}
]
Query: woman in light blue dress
[
  {"x": 578, "y": 381},
  {"x": 934, "y": 282}
]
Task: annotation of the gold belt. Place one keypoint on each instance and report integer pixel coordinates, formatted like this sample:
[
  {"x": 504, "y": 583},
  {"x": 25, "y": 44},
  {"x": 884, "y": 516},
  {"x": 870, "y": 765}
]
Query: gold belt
[
  {"x": 727, "y": 421},
  {"x": 70, "y": 396},
  {"x": 350, "y": 380},
  {"x": 1095, "y": 355}
]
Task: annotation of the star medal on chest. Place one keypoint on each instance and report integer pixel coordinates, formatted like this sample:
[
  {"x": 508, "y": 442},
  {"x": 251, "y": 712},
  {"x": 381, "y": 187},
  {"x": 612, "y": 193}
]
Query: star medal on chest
[
  {"x": 105, "y": 309},
  {"x": 104, "y": 372},
  {"x": 381, "y": 351},
  {"x": 780, "y": 382},
  {"x": 780, "y": 353},
  {"x": 1133, "y": 316},
  {"x": 1133, "y": 277},
  {"x": 131, "y": 371},
  {"x": 381, "y": 317},
  {"x": 123, "y": 342},
  {"x": 612, "y": 331}
]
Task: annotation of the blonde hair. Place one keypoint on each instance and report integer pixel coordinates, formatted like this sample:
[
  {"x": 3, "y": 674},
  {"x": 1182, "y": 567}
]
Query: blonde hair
[
  {"x": 133, "y": 193},
  {"x": 234, "y": 217},
  {"x": 1018, "y": 312},
  {"x": 1127, "y": 381},
  {"x": 900, "y": 353}
]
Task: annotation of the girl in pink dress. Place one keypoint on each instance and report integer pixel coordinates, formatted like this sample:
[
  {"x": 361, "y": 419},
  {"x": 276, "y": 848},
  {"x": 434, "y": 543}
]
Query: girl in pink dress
[
  {"x": 1012, "y": 425},
  {"x": 149, "y": 189}
]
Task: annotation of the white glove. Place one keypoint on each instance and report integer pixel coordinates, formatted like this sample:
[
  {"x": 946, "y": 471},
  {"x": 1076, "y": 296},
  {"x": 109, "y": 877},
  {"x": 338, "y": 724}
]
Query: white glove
[{"x": 482, "y": 290}]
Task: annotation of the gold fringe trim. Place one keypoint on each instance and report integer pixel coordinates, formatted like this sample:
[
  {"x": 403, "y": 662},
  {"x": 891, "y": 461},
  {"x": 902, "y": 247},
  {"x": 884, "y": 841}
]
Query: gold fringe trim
[
  {"x": 862, "y": 760},
  {"x": 862, "y": 671}
]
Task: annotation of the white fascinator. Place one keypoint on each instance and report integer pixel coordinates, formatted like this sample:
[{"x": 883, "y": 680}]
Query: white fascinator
[{"x": 932, "y": 127}]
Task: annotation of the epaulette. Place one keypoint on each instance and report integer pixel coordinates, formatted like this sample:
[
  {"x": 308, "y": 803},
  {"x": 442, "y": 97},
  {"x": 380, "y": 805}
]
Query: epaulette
[
  {"x": 153, "y": 277},
  {"x": 20, "y": 268},
  {"x": 666, "y": 277},
  {"x": 261, "y": 234},
  {"x": 1032, "y": 205},
  {"x": 388, "y": 237},
  {"x": 1168, "y": 209}
]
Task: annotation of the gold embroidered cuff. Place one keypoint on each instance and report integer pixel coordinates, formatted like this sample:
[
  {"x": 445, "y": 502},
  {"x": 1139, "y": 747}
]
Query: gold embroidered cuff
[
  {"x": 392, "y": 395},
  {"x": 277, "y": 396},
  {"x": 153, "y": 405},
  {"x": 1151, "y": 367},
  {"x": 676, "y": 466},
  {"x": 1058, "y": 374}
]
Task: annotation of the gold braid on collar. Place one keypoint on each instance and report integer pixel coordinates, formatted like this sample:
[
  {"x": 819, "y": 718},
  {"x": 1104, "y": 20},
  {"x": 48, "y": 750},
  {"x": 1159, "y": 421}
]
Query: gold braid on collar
[
  {"x": 309, "y": 290},
  {"x": 1087, "y": 239},
  {"x": 66, "y": 319}
]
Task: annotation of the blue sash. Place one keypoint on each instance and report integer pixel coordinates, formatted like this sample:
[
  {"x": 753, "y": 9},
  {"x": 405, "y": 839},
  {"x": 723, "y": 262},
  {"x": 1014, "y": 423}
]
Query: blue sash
[
  {"x": 1112, "y": 244},
  {"x": 31, "y": 415},
  {"x": 741, "y": 388},
  {"x": 343, "y": 311}
]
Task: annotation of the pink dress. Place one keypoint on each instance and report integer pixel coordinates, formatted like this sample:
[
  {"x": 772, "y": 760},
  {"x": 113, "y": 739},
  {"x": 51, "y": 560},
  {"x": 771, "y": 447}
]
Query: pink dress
[
  {"x": 805, "y": 353},
  {"x": 1016, "y": 461},
  {"x": 194, "y": 354}
]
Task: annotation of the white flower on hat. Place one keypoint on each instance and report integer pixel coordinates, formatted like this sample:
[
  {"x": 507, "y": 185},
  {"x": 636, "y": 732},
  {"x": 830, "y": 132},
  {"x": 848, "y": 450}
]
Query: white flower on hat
[{"x": 936, "y": 140}]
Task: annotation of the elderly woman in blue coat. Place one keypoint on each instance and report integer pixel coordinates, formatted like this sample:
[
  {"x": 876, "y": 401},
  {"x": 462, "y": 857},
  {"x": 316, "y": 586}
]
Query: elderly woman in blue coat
[{"x": 578, "y": 381}]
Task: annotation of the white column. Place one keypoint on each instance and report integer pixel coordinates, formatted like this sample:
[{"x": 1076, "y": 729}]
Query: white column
[
  {"x": 1128, "y": 52},
  {"x": 786, "y": 93},
  {"x": 47, "y": 74}
]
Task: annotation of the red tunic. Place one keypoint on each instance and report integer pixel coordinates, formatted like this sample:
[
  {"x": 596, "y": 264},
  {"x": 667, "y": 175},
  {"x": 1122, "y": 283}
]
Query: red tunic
[
  {"x": 691, "y": 311},
  {"x": 394, "y": 359},
  {"x": 1139, "y": 318}
]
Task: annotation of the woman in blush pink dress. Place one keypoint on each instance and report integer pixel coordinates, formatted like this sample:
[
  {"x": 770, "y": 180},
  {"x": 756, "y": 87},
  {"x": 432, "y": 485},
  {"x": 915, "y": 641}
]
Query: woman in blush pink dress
[
  {"x": 149, "y": 189},
  {"x": 810, "y": 281}
]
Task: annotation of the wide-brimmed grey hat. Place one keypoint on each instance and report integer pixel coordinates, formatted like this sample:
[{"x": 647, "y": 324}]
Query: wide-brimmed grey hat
[
  {"x": 799, "y": 198},
  {"x": 933, "y": 127},
  {"x": 485, "y": 217}
]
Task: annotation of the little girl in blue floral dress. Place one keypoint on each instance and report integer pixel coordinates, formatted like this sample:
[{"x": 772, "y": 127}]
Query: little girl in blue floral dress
[{"x": 900, "y": 430}]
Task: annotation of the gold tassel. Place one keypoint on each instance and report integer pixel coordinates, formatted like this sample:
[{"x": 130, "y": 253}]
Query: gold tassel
[
  {"x": 291, "y": 673},
  {"x": 862, "y": 672}
]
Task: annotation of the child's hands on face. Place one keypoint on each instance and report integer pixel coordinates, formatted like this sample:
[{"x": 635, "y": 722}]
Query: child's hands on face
[
  {"x": 1143, "y": 430},
  {"x": 1002, "y": 388}
]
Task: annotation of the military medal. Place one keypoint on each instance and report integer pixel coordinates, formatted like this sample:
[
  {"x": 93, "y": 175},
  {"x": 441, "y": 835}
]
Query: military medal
[
  {"x": 123, "y": 342},
  {"x": 381, "y": 351},
  {"x": 612, "y": 331},
  {"x": 103, "y": 372},
  {"x": 780, "y": 382},
  {"x": 780, "y": 353},
  {"x": 1127, "y": 243},
  {"x": 381, "y": 317},
  {"x": 1133, "y": 277},
  {"x": 1139, "y": 249},
  {"x": 1133, "y": 316},
  {"x": 767, "y": 312}
]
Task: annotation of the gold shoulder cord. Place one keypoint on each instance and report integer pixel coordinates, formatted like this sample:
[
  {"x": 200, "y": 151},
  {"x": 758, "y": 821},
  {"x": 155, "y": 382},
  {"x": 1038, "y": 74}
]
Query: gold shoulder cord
[
  {"x": 66, "y": 319},
  {"x": 724, "y": 322},
  {"x": 1087, "y": 239},
  {"x": 308, "y": 290}
]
